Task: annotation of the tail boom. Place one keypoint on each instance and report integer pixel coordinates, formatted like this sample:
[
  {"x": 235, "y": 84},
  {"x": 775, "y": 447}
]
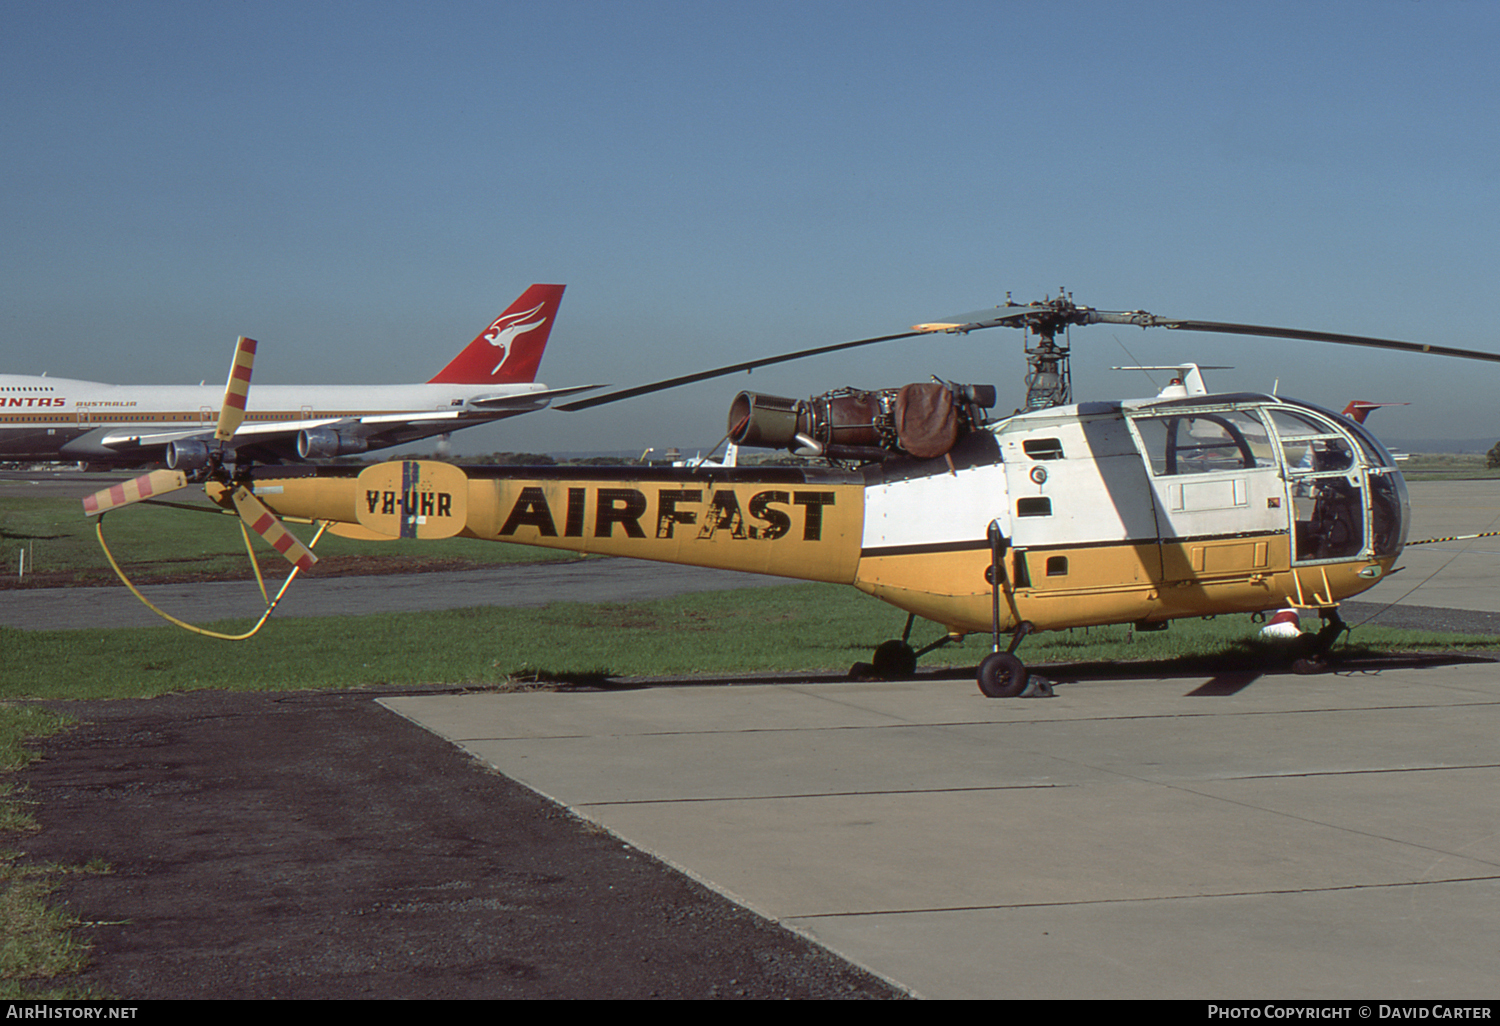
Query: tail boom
[{"x": 779, "y": 521}]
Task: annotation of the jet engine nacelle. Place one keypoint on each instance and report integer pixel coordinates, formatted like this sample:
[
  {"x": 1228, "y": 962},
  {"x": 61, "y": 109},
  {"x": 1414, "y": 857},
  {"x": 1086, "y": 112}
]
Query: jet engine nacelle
[
  {"x": 323, "y": 443},
  {"x": 188, "y": 454},
  {"x": 923, "y": 420}
]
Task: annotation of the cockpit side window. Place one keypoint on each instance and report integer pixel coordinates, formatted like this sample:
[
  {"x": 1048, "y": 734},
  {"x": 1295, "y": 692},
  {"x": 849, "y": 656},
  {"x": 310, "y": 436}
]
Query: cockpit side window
[
  {"x": 1204, "y": 443},
  {"x": 1375, "y": 454},
  {"x": 1308, "y": 447}
]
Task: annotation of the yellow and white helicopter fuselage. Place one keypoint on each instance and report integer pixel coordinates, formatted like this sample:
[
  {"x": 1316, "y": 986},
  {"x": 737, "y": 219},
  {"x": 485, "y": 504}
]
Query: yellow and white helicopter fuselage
[{"x": 1119, "y": 512}]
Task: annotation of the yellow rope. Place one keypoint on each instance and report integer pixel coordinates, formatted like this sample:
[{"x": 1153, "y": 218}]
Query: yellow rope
[{"x": 271, "y": 604}]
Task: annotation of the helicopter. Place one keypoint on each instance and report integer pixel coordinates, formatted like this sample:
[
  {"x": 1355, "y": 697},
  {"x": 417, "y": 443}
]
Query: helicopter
[{"x": 1063, "y": 514}]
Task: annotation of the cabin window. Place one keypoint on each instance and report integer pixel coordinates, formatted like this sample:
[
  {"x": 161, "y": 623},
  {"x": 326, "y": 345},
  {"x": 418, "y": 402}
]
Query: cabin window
[
  {"x": 1043, "y": 448},
  {"x": 1034, "y": 507},
  {"x": 1309, "y": 447},
  {"x": 1057, "y": 566},
  {"x": 1204, "y": 443}
]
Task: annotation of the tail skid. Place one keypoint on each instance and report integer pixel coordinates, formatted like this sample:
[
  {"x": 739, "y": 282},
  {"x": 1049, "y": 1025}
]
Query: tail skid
[{"x": 509, "y": 351}]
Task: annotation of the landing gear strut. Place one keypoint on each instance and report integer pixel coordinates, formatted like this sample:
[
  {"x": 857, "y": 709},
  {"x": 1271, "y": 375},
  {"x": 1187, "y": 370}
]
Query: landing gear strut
[{"x": 1002, "y": 674}]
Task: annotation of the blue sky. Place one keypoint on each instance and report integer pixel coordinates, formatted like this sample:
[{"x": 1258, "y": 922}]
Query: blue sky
[{"x": 363, "y": 186}]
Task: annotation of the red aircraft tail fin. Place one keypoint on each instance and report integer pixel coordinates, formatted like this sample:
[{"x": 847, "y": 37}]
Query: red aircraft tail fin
[
  {"x": 510, "y": 349},
  {"x": 1359, "y": 409}
]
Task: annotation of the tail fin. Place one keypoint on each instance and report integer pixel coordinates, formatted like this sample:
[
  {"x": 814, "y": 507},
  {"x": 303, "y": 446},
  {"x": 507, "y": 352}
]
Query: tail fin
[
  {"x": 510, "y": 349},
  {"x": 1359, "y": 409}
]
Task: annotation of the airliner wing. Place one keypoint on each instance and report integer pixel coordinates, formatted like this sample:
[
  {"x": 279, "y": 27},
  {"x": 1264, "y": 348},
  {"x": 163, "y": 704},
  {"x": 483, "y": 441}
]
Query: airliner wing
[
  {"x": 276, "y": 441},
  {"x": 524, "y": 400},
  {"x": 123, "y": 440},
  {"x": 268, "y": 431}
]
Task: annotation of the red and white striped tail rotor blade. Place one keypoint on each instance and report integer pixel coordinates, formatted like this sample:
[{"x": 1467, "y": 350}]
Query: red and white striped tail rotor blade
[
  {"x": 264, "y": 523},
  {"x": 236, "y": 390},
  {"x": 147, "y": 486}
]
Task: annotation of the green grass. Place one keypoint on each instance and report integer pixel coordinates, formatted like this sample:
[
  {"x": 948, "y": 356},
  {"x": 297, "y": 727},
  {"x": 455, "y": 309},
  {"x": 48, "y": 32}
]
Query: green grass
[
  {"x": 156, "y": 541},
  {"x": 38, "y": 942},
  {"x": 1447, "y": 466},
  {"x": 812, "y": 627}
]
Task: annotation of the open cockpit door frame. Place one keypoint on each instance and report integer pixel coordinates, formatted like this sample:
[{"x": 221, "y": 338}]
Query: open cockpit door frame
[{"x": 1340, "y": 480}]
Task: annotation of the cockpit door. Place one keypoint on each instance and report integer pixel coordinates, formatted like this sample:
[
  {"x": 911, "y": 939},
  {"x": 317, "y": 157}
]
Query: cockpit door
[
  {"x": 1217, "y": 488},
  {"x": 1346, "y": 497}
]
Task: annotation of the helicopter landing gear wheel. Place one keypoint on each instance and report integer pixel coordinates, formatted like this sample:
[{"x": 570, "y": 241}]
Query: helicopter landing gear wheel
[
  {"x": 894, "y": 660},
  {"x": 1002, "y": 675}
]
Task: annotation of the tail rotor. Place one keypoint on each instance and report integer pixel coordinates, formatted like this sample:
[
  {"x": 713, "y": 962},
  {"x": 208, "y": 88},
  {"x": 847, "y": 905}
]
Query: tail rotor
[{"x": 235, "y": 490}]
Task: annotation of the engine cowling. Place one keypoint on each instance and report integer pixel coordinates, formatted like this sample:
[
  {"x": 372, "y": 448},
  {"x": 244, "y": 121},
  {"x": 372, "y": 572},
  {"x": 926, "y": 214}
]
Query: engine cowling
[
  {"x": 923, "y": 420},
  {"x": 326, "y": 443},
  {"x": 187, "y": 454}
]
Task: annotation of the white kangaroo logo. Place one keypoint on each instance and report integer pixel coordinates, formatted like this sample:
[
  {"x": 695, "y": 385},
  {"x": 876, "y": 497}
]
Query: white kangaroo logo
[{"x": 501, "y": 335}]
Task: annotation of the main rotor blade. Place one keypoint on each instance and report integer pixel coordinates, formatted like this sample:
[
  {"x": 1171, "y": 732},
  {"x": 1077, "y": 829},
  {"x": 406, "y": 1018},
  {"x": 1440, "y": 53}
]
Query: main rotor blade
[
  {"x": 264, "y": 523},
  {"x": 719, "y": 372},
  {"x": 147, "y": 486},
  {"x": 236, "y": 390},
  {"x": 1053, "y": 314},
  {"x": 991, "y": 318},
  {"x": 1325, "y": 336}
]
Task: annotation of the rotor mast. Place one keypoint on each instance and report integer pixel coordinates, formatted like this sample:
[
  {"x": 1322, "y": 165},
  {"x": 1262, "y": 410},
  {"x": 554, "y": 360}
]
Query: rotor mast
[{"x": 1049, "y": 376}]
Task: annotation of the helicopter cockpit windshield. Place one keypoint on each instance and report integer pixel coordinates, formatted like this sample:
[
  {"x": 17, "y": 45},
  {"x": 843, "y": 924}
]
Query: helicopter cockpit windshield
[
  {"x": 1258, "y": 458},
  {"x": 1348, "y": 498}
]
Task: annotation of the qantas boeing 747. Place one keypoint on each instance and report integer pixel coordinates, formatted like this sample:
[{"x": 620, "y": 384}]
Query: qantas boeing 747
[{"x": 494, "y": 377}]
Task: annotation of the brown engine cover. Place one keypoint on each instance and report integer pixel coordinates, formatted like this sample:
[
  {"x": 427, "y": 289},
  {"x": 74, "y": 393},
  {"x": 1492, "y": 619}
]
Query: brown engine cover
[{"x": 926, "y": 420}]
